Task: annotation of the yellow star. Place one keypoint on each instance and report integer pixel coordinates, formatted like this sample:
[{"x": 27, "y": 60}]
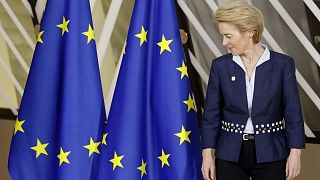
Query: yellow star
[
  {"x": 183, "y": 69},
  {"x": 39, "y": 37},
  {"x": 164, "y": 44},
  {"x": 164, "y": 158},
  {"x": 142, "y": 36},
  {"x": 64, "y": 25},
  {"x": 190, "y": 103},
  {"x": 142, "y": 168},
  {"x": 92, "y": 147},
  {"x": 63, "y": 156},
  {"x": 104, "y": 139},
  {"x": 183, "y": 135},
  {"x": 40, "y": 148},
  {"x": 18, "y": 126},
  {"x": 116, "y": 161},
  {"x": 89, "y": 34}
]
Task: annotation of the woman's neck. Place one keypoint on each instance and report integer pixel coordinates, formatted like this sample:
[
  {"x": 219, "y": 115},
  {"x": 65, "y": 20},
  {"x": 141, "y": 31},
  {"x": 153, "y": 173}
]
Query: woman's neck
[{"x": 252, "y": 54}]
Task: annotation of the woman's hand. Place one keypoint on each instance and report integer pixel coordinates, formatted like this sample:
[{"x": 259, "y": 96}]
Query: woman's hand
[
  {"x": 293, "y": 164},
  {"x": 208, "y": 167}
]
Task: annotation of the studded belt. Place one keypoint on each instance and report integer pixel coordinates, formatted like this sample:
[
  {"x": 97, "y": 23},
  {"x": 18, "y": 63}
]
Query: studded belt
[{"x": 259, "y": 128}]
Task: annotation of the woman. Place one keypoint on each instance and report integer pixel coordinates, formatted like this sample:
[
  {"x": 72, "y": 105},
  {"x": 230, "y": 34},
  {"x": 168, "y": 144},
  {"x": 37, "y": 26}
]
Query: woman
[{"x": 252, "y": 117}]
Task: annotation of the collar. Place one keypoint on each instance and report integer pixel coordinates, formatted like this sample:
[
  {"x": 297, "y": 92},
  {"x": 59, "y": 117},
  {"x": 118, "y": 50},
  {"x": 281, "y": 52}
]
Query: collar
[{"x": 263, "y": 58}]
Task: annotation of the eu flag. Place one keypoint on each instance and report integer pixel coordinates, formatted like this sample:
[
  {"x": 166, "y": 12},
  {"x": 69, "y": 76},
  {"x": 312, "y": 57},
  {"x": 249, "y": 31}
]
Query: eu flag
[
  {"x": 152, "y": 126},
  {"x": 59, "y": 130}
]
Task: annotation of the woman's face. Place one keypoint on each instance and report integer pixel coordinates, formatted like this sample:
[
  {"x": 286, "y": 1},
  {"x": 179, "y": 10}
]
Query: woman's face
[{"x": 236, "y": 41}]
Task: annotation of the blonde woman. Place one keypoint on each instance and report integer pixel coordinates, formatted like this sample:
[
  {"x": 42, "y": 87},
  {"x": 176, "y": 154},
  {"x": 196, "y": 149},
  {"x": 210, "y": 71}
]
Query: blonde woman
[{"x": 252, "y": 120}]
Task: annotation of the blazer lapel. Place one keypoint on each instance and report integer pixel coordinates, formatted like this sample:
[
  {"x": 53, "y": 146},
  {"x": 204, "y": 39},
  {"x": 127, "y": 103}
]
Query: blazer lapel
[
  {"x": 261, "y": 85},
  {"x": 239, "y": 88}
]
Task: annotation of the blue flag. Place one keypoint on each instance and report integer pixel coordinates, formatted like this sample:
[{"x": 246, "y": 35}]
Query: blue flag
[
  {"x": 59, "y": 129},
  {"x": 152, "y": 126}
]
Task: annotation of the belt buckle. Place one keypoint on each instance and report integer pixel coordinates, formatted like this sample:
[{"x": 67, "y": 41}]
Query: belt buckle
[{"x": 244, "y": 137}]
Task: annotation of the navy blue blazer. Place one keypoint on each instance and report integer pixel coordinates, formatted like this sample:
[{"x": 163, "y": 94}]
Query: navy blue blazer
[{"x": 276, "y": 110}]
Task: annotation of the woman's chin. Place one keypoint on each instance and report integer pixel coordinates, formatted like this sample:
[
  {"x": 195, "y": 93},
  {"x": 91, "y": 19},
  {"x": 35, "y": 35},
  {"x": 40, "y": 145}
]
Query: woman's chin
[{"x": 233, "y": 52}]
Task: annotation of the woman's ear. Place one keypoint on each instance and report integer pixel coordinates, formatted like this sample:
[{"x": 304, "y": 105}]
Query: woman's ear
[{"x": 251, "y": 33}]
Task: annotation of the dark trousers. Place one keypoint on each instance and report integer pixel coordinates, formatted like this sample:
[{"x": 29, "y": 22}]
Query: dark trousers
[{"x": 247, "y": 166}]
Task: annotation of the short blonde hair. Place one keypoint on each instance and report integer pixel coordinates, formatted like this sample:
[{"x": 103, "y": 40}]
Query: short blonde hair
[{"x": 243, "y": 15}]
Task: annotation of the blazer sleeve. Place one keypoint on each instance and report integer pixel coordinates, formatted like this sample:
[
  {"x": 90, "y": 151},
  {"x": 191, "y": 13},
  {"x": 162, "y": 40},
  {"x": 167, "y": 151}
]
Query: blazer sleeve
[
  {"x": 294, "y": 125},
  {"x": 212, "y": 115}
]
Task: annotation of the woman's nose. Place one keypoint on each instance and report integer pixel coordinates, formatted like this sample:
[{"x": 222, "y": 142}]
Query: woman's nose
[{"x": 225, "y": 42}]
